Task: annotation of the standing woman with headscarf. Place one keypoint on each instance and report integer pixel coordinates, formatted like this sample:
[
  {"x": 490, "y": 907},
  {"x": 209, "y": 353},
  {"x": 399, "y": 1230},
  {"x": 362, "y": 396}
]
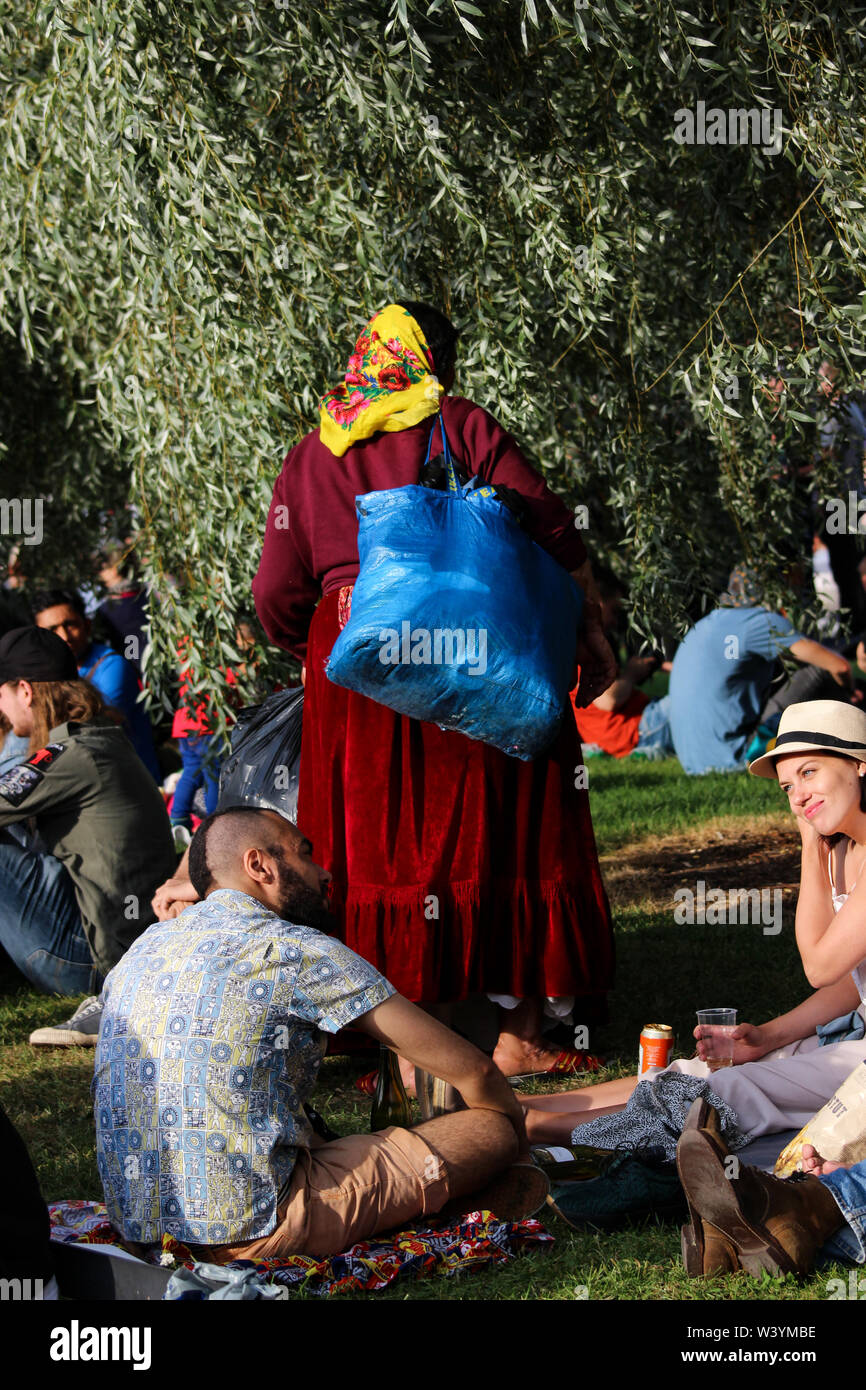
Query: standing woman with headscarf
[{"x": 457, "y": 870}]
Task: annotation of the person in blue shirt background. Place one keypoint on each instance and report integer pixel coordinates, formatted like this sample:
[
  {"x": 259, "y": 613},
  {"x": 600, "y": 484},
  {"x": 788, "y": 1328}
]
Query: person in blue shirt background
[
  {"x": 62, "y": 611},
  {"x": 722, "y": 675}
]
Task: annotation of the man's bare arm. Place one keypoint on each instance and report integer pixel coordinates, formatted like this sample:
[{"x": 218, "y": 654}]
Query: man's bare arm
[
  {"x": 594, "y": 657},
  {"x": 814, "y": 654},
  {"x": 427, "y": 1043},
  {"x": 175, "y": 894}
]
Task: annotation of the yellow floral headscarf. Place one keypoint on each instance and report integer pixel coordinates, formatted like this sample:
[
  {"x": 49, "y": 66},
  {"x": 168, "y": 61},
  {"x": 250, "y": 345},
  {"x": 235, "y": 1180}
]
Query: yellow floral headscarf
[{"x": 389, "y": 384}]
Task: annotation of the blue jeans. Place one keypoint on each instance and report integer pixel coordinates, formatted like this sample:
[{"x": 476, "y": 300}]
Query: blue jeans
[
  {"x": 14, "y": 751},
  {"x": 193, "y": 750},
  {"x": 40, "y": 924},
  {"x": 654, "y": 730},
  {"x": 848, "y": 1186}
]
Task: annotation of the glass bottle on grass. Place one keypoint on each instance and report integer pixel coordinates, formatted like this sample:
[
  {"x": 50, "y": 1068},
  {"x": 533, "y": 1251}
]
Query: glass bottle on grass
[
  {"x": 576, "y": 1163},
  {"x": 390, "y": 1103}
]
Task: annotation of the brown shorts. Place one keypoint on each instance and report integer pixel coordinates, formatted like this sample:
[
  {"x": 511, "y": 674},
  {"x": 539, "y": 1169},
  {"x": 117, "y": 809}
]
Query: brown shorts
[{"x": 347, "y": 1190}]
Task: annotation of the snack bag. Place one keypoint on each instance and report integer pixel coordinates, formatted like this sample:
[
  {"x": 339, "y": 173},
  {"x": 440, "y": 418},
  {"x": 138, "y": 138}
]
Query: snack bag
[{"x": 838, "y": 1131}]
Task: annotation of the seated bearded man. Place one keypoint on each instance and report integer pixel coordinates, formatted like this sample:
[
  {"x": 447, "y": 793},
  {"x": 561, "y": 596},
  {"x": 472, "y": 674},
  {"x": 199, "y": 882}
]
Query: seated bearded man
[{"x": 213, "y": 1031}]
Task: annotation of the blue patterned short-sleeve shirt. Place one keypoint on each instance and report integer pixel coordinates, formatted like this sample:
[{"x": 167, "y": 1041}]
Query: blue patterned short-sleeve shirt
[{"x": 211, "y": 1039}]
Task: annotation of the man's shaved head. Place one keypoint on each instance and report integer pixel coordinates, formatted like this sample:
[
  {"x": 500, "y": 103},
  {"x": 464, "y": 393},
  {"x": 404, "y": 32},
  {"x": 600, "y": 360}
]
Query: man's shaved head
[
  {"x": 218, "y": 846},
  {"x": 226, "y": 852}
]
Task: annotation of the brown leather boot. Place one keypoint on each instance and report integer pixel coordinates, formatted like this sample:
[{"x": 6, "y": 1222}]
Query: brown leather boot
[
  {"x": 706, "y": 1252},
  {"x": 769, "y": 1223}
]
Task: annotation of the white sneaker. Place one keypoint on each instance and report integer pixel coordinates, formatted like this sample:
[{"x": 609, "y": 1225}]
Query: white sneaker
[
  {"x": 182, "y": 839},
  {"x": 81, "y": 1030}
]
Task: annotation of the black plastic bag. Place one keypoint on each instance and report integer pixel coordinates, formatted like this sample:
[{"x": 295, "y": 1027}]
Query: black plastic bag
[{"x": 263, "y": 766}]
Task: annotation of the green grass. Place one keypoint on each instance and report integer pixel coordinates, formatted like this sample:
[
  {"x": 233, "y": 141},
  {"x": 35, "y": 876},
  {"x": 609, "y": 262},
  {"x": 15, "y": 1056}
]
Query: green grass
[
  {"x": 664, "y": 971},
  {"x": 632, "y": 800}
]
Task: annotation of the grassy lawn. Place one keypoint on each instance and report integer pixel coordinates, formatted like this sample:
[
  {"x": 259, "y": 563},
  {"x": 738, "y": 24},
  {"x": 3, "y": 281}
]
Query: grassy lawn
[
  {"x": 656, "y": 829},
  {"x": 637, "y": 800}
]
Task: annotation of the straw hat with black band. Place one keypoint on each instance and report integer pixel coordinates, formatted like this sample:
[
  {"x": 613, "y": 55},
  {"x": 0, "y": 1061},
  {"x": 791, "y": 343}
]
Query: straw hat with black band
[{"x": 816, "y": 726}]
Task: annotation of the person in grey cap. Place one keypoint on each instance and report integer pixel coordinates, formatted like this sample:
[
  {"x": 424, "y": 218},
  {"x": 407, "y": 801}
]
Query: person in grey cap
[{"x": 68, "y": 915}]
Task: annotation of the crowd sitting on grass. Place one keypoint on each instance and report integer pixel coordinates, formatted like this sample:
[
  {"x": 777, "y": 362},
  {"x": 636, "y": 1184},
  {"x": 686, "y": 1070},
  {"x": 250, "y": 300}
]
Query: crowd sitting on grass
[
  {"x": 248, "y": 964},
  {"x": 251, "y": 872},
  {"x": 211, "y": 985},
  {"x": 249, "y": 878},
  {"x": 240, "y": 940},
  {"x": 727, "y": 686}
]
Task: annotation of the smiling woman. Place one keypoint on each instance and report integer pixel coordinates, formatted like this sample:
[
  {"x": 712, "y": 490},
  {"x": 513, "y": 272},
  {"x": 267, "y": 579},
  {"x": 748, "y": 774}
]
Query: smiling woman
[
  {"x": 784, "y": 1070},
  {"x": 819, "y": 758}
]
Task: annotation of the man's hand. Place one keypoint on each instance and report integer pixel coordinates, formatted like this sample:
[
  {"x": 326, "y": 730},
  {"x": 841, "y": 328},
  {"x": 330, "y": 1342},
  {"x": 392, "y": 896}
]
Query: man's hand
[
  {"x": 596, "y": 660},
  {"x": 842, "y": 676},
  {"x": 172, "y": 897},
  {"x": 814, "y": 654}
]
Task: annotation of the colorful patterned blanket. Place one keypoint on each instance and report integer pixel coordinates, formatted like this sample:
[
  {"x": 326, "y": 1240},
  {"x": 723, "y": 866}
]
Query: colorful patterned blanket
[{"x": 477, "y": 1241}]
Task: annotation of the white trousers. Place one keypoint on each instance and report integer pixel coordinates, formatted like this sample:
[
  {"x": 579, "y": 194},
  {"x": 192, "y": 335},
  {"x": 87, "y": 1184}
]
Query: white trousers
[{"x": 784, "y": 1089}]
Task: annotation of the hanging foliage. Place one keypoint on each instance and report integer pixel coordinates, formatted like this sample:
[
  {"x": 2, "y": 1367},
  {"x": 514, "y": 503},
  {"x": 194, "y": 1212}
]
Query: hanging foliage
[{"x": 642, "y": 219}]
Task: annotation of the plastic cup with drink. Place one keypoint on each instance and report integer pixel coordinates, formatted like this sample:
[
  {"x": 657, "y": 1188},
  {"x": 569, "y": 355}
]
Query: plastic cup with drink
[{"x": 717, "y": 1034}]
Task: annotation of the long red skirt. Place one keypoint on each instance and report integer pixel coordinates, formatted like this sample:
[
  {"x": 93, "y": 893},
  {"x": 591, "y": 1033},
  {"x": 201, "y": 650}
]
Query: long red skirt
[{"x": 456, "y": 869}]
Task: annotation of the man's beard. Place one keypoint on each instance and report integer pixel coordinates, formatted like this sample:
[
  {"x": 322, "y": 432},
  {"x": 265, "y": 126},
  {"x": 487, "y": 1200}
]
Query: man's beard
[{"x": 301, "y": 904}]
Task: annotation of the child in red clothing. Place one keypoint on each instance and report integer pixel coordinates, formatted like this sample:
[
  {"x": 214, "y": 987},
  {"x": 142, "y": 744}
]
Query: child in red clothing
[{"x": 622, "y": 720}]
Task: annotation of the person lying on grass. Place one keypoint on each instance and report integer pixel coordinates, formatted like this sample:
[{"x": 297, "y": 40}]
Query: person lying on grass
[
  {"x": 213, "y": 1031},
  {"x": 782, "y": 1074}
]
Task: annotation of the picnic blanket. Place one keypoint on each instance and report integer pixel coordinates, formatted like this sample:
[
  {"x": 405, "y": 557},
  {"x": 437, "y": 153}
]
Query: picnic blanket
[{"x": 477, "y": 1241}]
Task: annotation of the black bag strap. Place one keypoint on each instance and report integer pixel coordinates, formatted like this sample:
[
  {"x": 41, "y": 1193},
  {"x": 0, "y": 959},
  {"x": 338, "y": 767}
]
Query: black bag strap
[{"x": 453, "y": 484}]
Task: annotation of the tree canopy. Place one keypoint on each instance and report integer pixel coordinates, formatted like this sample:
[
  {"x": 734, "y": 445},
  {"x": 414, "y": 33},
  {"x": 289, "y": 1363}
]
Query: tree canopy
[{"x": 202, "y": 202}]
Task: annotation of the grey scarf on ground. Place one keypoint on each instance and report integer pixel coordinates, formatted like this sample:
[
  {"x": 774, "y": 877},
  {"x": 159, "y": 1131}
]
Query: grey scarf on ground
[{"x": 655, "y": 1115}]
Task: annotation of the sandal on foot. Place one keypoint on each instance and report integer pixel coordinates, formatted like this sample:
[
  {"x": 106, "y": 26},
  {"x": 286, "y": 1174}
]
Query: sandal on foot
[{"x": 567, "y": 1063}]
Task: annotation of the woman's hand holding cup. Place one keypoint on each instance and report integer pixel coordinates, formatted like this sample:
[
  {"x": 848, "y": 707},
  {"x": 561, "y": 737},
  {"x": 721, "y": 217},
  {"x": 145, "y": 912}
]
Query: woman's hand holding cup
[{"x": 748, "y": 1042}]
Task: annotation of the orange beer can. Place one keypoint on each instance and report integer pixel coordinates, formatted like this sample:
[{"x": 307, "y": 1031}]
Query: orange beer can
[{"x": 656, "y": 1048}]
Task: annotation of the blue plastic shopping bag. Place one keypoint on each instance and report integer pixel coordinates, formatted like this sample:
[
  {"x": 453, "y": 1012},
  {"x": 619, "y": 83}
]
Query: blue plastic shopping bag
[{"x": 458, "y": 617}]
